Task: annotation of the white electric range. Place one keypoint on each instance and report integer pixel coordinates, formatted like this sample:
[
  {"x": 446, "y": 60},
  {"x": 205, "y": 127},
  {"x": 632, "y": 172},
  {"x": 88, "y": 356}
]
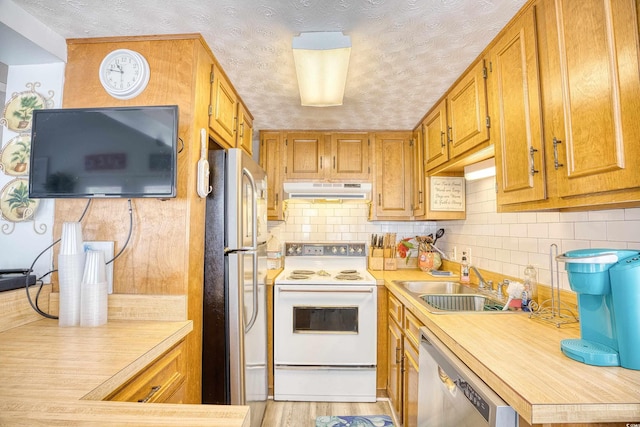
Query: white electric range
[{"x": 325, "y": 323}]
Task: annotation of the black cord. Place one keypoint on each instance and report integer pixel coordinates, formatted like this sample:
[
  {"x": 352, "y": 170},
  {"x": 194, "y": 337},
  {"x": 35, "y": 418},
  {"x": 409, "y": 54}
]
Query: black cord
[
  {"x": 128, "y": 236},
  {"x": 35, "y": 306}
]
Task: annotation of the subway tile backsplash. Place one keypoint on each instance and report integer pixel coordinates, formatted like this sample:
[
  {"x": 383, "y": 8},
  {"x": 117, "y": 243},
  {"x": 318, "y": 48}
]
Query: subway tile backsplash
[{"x": 500, "y": 242}]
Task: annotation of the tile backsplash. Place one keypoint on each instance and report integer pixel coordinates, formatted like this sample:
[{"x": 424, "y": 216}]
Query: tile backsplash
[{"x": 500, "y": 242}]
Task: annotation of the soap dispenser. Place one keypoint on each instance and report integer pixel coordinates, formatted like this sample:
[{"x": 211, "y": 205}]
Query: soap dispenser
[
  {"x": 464, "y": 269},
  {"x": 530, "y": 289}
]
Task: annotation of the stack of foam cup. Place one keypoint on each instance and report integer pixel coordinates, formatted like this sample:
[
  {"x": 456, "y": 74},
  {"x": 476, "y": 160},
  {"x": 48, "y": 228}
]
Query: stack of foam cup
[
  {"x": 93, "y": 308},
  {"x": 70, "y": 269}
]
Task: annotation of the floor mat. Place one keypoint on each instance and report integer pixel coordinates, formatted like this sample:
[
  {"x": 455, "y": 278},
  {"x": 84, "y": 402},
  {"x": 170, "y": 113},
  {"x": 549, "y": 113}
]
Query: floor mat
[{"x": 354, "y": 421}]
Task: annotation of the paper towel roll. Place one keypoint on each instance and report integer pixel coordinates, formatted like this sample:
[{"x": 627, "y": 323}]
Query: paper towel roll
[{"x": 94, "y": 300}]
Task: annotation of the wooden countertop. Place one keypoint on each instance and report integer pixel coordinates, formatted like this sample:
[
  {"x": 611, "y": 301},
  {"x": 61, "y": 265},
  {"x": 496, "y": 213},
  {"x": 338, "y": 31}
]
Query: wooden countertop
[
  {"x": 521, "y": 360},
  {"x": 51, "y": 373}
]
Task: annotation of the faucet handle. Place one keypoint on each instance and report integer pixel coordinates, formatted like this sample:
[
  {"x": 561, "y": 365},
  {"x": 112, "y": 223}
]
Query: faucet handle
[{"x": 490, "y": 285}]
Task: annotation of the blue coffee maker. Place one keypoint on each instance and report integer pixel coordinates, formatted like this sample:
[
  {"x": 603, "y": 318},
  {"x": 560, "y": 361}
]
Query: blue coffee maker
[{"x": 607, "y": 284}]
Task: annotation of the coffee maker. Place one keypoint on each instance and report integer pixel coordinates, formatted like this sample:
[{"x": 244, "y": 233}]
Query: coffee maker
[{"x": 607, "y": 284}]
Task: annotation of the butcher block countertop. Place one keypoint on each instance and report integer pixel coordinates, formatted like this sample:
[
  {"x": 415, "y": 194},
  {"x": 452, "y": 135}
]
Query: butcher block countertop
[
  {"x": 521, "y": 360},
  {"x": 51, "y": 375}
]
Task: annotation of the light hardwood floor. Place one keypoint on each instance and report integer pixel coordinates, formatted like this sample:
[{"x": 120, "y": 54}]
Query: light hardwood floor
[{"x": 303, "y": 414}]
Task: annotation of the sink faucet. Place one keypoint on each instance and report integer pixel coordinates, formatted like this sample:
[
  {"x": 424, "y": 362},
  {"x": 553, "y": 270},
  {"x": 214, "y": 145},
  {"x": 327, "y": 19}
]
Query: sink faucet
[{"x": 481, "y": 284}]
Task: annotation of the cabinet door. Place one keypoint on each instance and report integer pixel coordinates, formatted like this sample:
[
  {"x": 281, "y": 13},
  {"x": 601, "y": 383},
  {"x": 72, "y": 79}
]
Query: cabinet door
[
  {"x": 594, "y": 50},
  {"x": 350, "y": 156},
  {"x": 417, "y": 173},
  {"x": 393, "y": 175},
  {"x": 222, "y": 111},
  {"x": 271, "y": 153},
  {"x": 517, "y": 112},
  {"x": 305, "y": 152},
  {"x": 245, "y": 129},
  {"x": 467, "y": 112},
  {"x": 394, "y": 368},
  {"x": 410, "y": 386},
  {"x": 436, "y": 139}
]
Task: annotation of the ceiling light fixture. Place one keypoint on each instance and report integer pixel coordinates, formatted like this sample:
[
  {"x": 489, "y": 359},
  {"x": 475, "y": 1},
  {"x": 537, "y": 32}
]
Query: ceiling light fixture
[
  {"x": 322, "y": 60},
  {"x": 483, "y": 169}
]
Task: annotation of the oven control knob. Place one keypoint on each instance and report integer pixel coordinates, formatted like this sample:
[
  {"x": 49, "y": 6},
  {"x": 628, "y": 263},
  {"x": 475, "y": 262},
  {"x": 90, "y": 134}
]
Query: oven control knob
[
  {"x": 334, "y": 250},
  {"x": 359, "y": 250},
  {"x": 343, "y": 250},
  {"x": 299, "y": 250}
]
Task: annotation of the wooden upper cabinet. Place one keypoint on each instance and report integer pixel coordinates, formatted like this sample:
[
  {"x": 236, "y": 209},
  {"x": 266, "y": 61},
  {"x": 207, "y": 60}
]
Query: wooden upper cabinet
[
  {"x": 350, "y": 156},
  {"x": 417, "y": 172},
  {"x": 436, "y": 141},
  {"x": 271, "y": 155},
  {"x": 467, "y": 111},
  {"x": 595, "y": 93},
  {"x": 245, "y": 129},
  {"x": 392, "y": 184},
  {"x": 305, "y": 152},
  {"x": 223, "y": 109},
  {"x": 328, "y": 156},
  {"x": 517, "y": 113}
]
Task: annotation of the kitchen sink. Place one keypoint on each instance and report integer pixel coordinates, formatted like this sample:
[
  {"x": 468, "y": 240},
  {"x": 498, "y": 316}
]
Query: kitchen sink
[{"x": 451, "y": 297}]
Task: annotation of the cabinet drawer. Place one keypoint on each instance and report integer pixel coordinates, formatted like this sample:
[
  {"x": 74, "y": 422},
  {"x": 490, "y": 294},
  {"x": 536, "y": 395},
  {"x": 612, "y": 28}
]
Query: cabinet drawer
[
  {"x": 161, "y": 381},
  {"x": 411, "y": 328},
  {"x": 396, "y": 309}
]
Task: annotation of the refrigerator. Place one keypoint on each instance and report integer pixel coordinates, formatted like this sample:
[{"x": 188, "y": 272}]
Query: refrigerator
[{"x": 234, "y": 359}]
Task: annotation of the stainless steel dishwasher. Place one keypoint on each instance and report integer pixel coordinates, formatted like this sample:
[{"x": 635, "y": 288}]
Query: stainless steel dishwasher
[{"x": 451, "y": 395}]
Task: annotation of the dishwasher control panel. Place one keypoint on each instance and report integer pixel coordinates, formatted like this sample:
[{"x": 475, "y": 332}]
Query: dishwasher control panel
[{"x": 474, "y": 397}]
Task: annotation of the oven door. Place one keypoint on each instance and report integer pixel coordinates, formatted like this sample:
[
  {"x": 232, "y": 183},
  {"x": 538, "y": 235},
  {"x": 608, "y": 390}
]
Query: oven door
[{"x": 316, "y": 325}]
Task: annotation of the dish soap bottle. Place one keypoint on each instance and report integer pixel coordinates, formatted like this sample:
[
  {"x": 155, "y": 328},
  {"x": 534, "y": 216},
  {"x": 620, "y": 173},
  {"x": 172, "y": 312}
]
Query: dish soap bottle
[{"x": 464, "y": 269}]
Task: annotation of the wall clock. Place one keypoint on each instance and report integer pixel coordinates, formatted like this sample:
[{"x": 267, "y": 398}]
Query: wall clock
[{"x": 124, "y": 73}]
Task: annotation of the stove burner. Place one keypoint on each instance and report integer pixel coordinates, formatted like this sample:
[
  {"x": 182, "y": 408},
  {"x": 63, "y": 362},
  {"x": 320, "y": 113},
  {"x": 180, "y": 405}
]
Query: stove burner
[
  {"x": 302, "y": 272},
  {"x": 351, "y": 276},
  {"x": 298, "y": 277},
  {"x": 349, "y": 272}
]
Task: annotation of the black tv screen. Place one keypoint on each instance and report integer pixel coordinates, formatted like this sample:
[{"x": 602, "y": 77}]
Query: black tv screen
[{"x": 125, "y": 152}]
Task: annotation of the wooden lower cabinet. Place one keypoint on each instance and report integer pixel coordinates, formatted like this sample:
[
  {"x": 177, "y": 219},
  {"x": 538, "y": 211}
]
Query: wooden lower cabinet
[
  {"x": 402, "y": 361},
  {"x": 163, "y": 381},
  {"x": 410, "y": 384}
]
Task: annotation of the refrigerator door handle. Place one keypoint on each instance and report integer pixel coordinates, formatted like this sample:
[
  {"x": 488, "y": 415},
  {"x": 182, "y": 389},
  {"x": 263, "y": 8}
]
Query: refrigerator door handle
[{"x": 254, "y": 311}]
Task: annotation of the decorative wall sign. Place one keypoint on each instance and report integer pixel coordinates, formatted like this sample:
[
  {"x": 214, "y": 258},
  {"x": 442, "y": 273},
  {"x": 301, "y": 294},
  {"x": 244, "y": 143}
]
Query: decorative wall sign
[
  {"x": 18, "y": 111},
  {"x": 15, "y": 204},
  {"x": 14, "y": 158},
  {"x": 447, "y": 193}
]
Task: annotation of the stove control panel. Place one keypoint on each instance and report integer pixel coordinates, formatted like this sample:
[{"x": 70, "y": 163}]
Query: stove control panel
[{"x": 324, "y": 249}]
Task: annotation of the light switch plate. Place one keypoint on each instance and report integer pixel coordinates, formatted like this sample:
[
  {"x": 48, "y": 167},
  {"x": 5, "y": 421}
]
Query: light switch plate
[{"x": 107, "y": 248}]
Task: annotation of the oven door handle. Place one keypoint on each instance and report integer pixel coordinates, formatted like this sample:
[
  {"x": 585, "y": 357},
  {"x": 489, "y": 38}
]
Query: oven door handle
[{"x": 337, "y": 290}]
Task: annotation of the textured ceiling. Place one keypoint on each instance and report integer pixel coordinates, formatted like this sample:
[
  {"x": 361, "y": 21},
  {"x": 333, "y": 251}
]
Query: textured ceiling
[{"x": 405, "y": 53}]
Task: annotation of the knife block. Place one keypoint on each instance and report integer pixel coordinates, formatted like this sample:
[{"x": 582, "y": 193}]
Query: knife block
[{"x": 376, "y": 259}]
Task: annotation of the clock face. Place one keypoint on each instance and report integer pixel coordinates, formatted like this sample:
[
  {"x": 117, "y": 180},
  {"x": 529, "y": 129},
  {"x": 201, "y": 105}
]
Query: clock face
[{"x": 124, "y": 73}]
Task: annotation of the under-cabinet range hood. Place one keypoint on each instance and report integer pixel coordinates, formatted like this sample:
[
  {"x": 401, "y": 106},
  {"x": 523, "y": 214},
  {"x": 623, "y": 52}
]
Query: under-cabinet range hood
[{"x": 327, "y": 190}]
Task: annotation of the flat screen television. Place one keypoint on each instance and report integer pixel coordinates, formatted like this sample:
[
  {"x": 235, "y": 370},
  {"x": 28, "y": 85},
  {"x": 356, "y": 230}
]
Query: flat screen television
[{"x": 127, "y": 152}]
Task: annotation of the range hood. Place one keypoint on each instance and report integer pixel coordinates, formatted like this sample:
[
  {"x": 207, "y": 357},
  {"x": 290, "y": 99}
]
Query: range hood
[{"x": 327, "y": 190}]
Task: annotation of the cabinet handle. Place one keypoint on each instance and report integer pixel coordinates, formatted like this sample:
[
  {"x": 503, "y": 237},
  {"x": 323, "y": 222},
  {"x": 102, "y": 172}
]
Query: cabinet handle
[
  {"x": 442, "y": 144},
  {"x": 398, "y": 355},
  {"x": 532, "y": 151},
  {"x": 556, "y": 163},
  {"x": 242, "y": 130},
  {"x": 320, "y": 162},
  {"x": 420, "y": 196},
  {"x": 277, "y": 197},
  {"x": 334, "y": 162},
  {"x": 153, "y": 391},
  {"x": 449, "y": 132},
  {"x": 379, "y": 199}
]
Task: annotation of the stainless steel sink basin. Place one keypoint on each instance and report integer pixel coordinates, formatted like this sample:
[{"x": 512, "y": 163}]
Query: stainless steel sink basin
[
  {"x": 450, "y": 297},
  {"x": 427, "y": 287}
]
